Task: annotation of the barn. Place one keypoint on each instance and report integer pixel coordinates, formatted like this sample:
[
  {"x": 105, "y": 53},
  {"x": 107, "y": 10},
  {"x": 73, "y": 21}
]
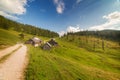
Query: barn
[
  {"x": 48, "y": 45},
  {"x": 34, "y": 41},
  {"x": 53, "y": 42}
]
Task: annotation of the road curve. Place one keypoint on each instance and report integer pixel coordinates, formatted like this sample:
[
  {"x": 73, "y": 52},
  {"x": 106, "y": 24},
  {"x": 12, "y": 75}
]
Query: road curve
[{"x": 13, "y": 67}]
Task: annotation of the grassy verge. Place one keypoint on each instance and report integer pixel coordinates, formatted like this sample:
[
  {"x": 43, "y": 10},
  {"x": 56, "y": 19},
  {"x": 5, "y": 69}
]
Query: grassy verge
[
  {"x": 69, "y": 62},
  {"x": 8, "y": 55}
]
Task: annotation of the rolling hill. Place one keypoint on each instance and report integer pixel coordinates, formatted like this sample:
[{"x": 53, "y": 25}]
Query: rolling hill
[{"x": 70, "y": 62}]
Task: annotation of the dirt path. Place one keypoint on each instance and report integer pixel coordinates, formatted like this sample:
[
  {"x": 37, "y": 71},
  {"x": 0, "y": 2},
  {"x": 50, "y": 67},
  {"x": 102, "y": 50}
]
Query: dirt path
[
  {"x": 8, "y": 50},
  {"x": 13, "y": 67}
]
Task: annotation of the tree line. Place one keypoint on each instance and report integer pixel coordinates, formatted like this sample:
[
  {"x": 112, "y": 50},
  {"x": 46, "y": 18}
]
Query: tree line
[
  {"x": 25, "y": 28},
  {"x": 113, "y": 35}
]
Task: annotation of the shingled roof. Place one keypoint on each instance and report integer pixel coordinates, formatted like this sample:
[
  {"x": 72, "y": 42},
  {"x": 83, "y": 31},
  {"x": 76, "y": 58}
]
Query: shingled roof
[{"x": 36, "y": 40}]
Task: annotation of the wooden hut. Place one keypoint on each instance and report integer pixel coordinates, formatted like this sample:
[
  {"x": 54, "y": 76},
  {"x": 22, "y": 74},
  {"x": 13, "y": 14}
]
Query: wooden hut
[{"x": 34, "y": 41}]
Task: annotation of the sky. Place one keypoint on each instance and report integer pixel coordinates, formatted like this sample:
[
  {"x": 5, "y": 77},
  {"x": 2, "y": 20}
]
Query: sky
[{"x": 64, "y": 15}]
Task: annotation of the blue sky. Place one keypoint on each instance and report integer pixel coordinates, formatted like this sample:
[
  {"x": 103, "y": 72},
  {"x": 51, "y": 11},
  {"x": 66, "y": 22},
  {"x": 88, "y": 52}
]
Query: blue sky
[{"x": 63, "y": 15}]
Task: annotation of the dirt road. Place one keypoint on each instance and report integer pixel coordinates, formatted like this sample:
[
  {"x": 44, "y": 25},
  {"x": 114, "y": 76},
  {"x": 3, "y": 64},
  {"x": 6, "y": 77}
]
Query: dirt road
[
  {"x": 13, "y": 67},
  {"x": 8, "y": 50}
]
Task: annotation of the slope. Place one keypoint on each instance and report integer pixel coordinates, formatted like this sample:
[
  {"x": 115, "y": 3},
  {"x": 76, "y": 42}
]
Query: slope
[
  {"x": 69, "y": 62},
  {"x": 8, "y": 38}
]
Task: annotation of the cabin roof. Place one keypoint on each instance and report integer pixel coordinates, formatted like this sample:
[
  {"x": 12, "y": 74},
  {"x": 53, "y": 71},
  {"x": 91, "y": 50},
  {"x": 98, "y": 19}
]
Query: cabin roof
[
  {"x": 35, "y": 39},
  {"x": 48, "y": 44},
  {"x": 52, "y": 42}
]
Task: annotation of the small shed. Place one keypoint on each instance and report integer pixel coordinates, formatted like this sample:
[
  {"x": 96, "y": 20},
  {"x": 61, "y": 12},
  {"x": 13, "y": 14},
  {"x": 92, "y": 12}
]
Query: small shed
[
  {"x": 46, "y": 46},
  {"x": 53, "y": 42}
]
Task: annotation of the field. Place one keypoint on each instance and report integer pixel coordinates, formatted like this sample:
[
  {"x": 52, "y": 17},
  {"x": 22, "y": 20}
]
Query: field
[
  {"x": 70, "y": 62},
  {"x": 73, "y": 59}
]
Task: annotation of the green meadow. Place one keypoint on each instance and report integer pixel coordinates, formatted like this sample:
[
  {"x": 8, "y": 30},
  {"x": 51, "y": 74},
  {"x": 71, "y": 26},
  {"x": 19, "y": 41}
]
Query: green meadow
[
  {"x": 70, "y": 62},
  {"x": 73, "y": 59},
  {"x": 8, "y": 38}
]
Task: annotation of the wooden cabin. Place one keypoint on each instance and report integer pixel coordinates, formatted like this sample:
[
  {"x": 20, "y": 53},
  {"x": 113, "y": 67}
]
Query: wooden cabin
[
  {"x": 48, "y": 45},
  {"x": 34, "y": 41}
]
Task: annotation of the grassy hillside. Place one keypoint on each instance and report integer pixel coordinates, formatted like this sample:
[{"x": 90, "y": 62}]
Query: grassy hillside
[
  {"x": 74, "y": 59},
  {"x": 70, "y": 62},
  {"x": 92, "y": 43},
  {"x": 8, "y": 38}
]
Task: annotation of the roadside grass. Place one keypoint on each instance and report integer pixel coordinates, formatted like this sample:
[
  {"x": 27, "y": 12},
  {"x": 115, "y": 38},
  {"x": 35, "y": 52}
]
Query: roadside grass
[
  {"x": 70, "y": 62},
  {"x": 8, "y": 55}
]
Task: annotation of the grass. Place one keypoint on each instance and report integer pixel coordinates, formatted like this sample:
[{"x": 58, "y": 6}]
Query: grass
[
  {"x": 70, "y": 62},
  {"x": 8, "y": 55},
  {"x": 8, "y": 38}
]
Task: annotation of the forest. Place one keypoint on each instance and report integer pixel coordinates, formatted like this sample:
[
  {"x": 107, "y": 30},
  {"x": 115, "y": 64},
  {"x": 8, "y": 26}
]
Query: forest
[
  {"x": 113, "y": 35},
  {"x": 25, "y": 28}
]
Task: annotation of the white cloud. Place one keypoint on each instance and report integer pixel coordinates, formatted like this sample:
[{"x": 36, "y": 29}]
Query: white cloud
[
  {"x": 10, "y": 8},
  {"x": 113, "y": 22},
  {"x": 112, "y": 16},
  {"x": 60, "y": 6},
  {"x": 61, "y": 33},
  {"x": 73, "y": 29},
  {"x": 8, "y": 15}
]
